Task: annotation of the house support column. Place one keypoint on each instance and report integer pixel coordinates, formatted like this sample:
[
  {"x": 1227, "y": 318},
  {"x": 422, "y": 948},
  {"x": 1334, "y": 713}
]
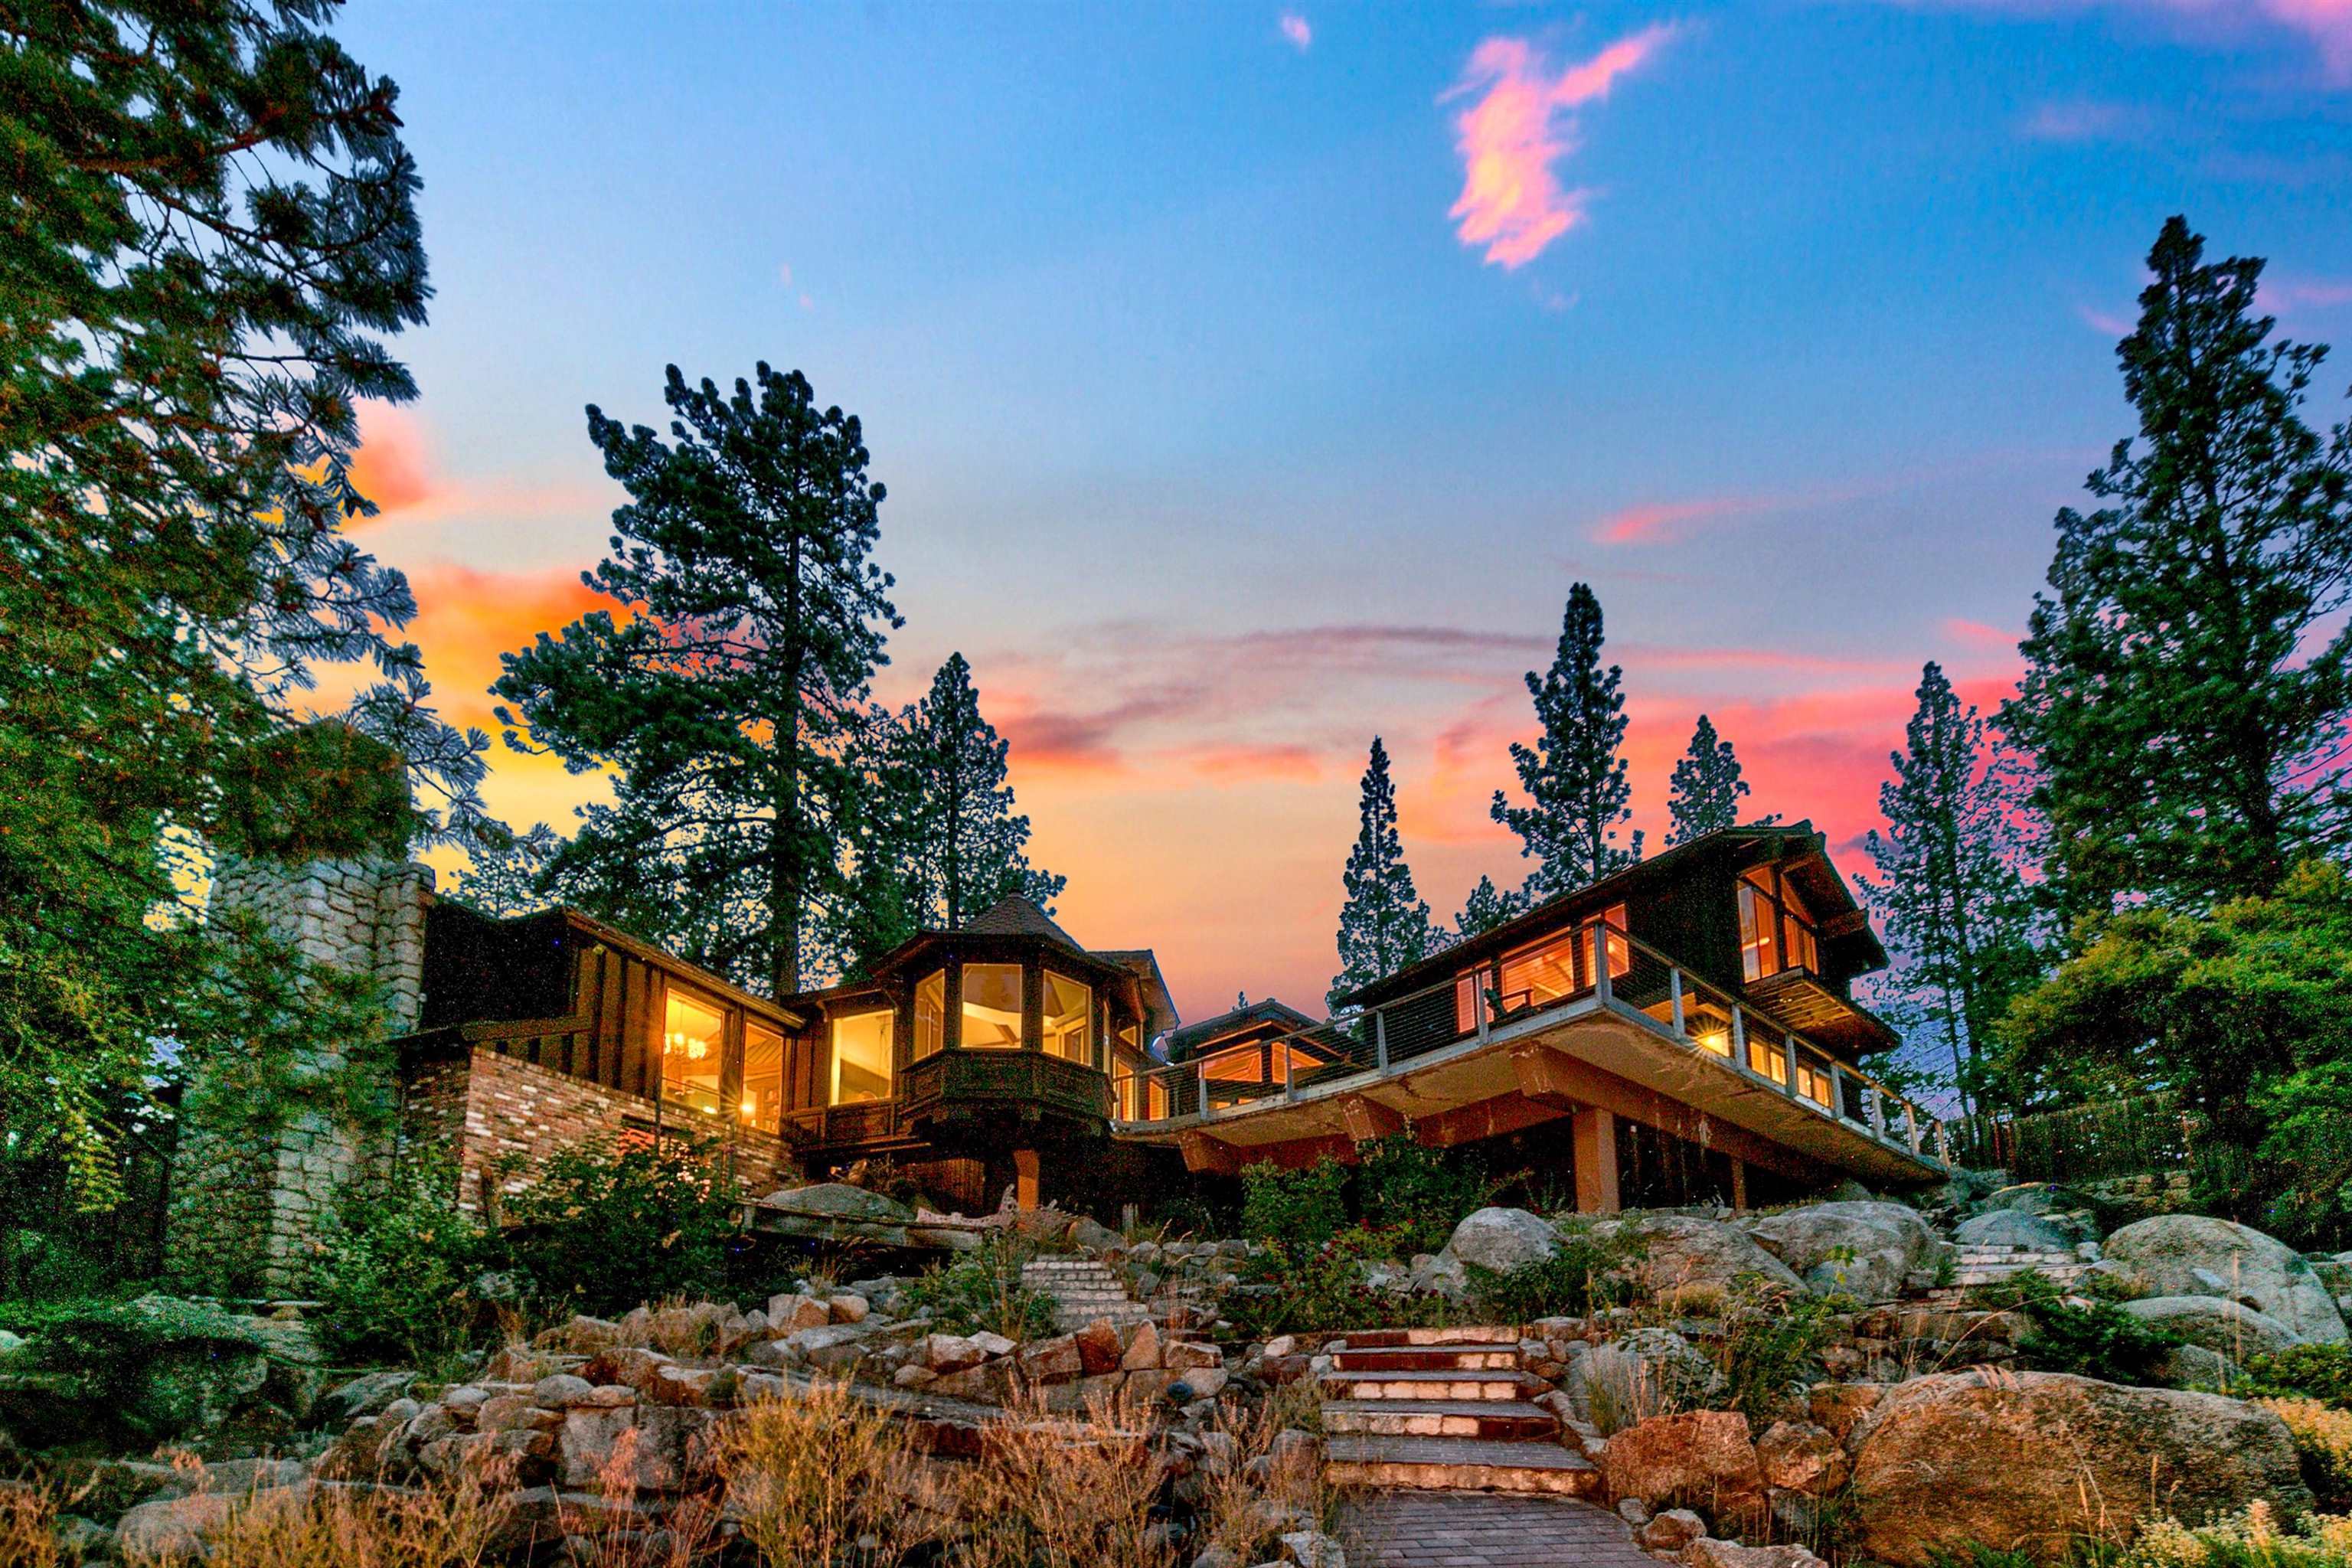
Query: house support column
[
  {"x": 1024, "y": 1179},
  {"x": 1593, "y": 1137},
  {"x": 1738, "y": 1184}
]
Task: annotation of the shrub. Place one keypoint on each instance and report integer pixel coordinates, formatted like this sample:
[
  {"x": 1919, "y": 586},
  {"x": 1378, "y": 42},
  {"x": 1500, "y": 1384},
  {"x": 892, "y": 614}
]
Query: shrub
[
  {"x": 2100, "y": 1341},
  {"x": 395, "y": 1268},
  {"x": 1291, "y": 1289},
  {"x": 1772, "y": 1339},
  {"x": 2323, "y": 1441},
  {"x": 606, "y": 1227},
  {"x": 1301, "y": 1208},
  {"x": 2253, "y": 1539},
  {"x": 1417, "y": 1192},
  {"x": 1586, "y": 1274},
  {"x": 981, "y": 1290},
  {"x": 2321, "y": 1371}
]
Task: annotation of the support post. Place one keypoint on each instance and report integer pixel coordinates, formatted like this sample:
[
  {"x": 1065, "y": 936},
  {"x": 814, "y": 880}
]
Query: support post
[
  {"x": 1738, "y": 1184},
  {"x": 1593, "y": 1138},
  {"x": 1875, "y": 1099},
  {"x": 1789, "y": 1059},
  {"x": 1024, "y": 1179},
  {"x": 1837, "y": 1089},
  {"x": 1675, "y": 991},
  {"x": 1381, "y": 1041},
  {"x": 1289, "y": 1088},
  {"x": 1739, "y": 1040},
  {"x": 1600, "y": 961}
]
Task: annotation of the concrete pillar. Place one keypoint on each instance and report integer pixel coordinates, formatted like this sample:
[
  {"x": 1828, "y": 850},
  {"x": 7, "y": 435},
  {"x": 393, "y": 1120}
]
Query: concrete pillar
[
  {"x": 1593, "y": 1138},
  {"x": 1024, "y": 1179},
  {"x": 1738, "y": 1184}
]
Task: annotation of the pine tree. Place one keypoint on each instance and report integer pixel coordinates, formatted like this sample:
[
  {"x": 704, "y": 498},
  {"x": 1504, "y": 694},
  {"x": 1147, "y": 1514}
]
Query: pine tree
[
  {"x": 1487, "y": 908},
  {"x": 212, "y": 232},
  {"x": 1949, "y": 887},
  {"x": 1705, "y": 787},
  {"x": 943, "y": 836},
  {"x": 1383, "y": 925},
  {"x": 1574, "y": 779},
  {"x": 511, "y": 875},
  {"x": 728, "y": 701},
  {"x": 2185, "y": 697}
]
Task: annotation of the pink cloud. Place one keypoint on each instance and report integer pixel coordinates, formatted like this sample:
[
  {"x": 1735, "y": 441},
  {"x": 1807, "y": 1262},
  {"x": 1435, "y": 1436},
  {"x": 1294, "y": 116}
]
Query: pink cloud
[
  {"x": 392, "y": 466},
  {"x": 2325, "y": 25},
  {"x": 1659, "y": 520},
  {"x": 1295, "y": 30},
  {"x": 1977, "y": 632},
  {"x": 2106, "y": 323},
  {"x": 2084, "y": 120},
  {"x": 1511, "y": 203}
]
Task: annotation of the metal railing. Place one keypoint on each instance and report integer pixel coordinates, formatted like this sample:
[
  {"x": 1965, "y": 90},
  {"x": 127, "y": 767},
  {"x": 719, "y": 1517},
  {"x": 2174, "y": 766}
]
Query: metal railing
[{"x": 1597, "y": 968}]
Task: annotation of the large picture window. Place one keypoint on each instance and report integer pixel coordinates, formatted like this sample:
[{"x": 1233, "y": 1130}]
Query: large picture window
[
  {"x": 1070, "y": 1018},
  {"x": 694, "y": 1051},
  {"x": 764, "y": 1076},
  {"x": 1776, "y": 929},
  {"x": 930, "y": 1014},
  {"x": 861, "y": 1058},
  {"x": 992, "y": 1007}
]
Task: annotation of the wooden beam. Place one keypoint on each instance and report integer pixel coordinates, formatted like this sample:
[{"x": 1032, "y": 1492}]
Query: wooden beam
[
  {"x": 1207, "y": 1156},
  {"x": 1592, "y": 1133},
  {"x": 1369, "y": 1119},
  {"x": 1553, "y": 1078},
  {"x": 1483, "y": 1119}
]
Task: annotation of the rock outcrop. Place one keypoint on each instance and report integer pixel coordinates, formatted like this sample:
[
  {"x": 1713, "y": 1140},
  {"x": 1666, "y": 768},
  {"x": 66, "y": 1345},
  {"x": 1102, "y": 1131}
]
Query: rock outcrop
[
  {"x": 1502, "y": 1239},
  {"x": 2224, "y": 1327},
  {"x": 2194, "y": 1255},
  {"x": 1683, "y": 1252},
  {"x": 2032, "y": 1461},
  {"x": 1865, "y": 1250}
]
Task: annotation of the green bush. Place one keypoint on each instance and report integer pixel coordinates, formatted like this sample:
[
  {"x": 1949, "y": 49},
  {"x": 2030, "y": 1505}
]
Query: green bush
[
  {"x": 1587, "y": 1274},
  {"x": 1300, "y": 1208},
  {"x": 1293, "y": 1288},
  {"x": 981, "y": 1290},
  {"x": 1772, "y": 1342},
  {"x": 606, "y": 1229},
  {"x": 396, "y": 1267},
  {"x": 1419, "y": 1193},
  {"x": 2303, "y": 1372},
  {"x": 2100, "y": 1341}
]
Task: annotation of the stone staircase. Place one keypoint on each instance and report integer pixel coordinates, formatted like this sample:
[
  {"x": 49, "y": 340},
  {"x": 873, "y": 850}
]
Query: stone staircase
[
  {"x": 1084, "y": 1290},
  {"x": 1977, "y": 1266},
  {"x": 1443, "y": 1410}
]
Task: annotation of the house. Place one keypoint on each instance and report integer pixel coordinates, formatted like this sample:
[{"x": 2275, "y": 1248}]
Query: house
[{"x": 1682, "y": 1031}]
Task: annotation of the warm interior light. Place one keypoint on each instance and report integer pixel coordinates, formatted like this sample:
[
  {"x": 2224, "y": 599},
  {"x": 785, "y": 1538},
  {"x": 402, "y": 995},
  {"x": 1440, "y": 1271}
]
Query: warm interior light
[{"x": 1716, "y": 1042}]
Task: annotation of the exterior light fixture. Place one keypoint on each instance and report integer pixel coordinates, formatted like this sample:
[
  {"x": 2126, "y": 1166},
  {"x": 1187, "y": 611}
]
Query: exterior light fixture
[{"x": 1715, "y": 1042}]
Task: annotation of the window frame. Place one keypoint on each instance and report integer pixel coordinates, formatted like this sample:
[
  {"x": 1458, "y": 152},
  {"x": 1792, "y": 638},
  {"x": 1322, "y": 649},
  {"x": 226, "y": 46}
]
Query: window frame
[
  {"x": 890, "y": 1054},
  {"x": 675, "y": 990},
  {"x": 1020, "y": 1040},
  {"x": 1046, "y": 977}
]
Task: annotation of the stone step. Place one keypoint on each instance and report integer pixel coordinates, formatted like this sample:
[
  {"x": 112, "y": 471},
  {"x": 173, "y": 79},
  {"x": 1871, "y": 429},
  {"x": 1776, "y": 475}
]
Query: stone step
[
  {"x": 1472, "y": 1357},
  {"x": 1464, "y": 1334},
  {"x": 1457, "y": 1464},
  {"x": 1502, "y": 1421},
  {"x": 1433, "y": 1383}
]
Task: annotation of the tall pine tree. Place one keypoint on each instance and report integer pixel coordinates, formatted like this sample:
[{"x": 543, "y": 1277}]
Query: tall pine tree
[
  {"x": 1949, "y": 885},
  {"x": 1574, "y": 779},
  {"x": 728, "y": 700},
  {"x": 2185, "y": 696},
  {"x": 1487, "y": 908},
  {"x": 1705, "y": 787},
  {"x": 1383, "y": 925},
  {"x": 945, "y": 837}
]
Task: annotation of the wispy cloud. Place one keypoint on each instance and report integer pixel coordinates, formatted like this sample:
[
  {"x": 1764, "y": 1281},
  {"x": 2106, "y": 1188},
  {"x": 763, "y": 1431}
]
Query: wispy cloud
[
  {"x": 2084, "y": 120},
  {"x": 391, "y": 468},
  {"x": 2106, "y": 323},
  {"x": 1660, "y": 521},
  {"x": 2323, "y": 26},
  {"x": 1977, "y": 633},
  {"x": 1520, "y": 126},
  {"x": 1295, "y": 32}
]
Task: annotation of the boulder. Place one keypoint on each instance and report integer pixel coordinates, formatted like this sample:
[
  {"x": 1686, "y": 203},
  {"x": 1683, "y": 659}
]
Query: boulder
[
  {"x": 2015, "y": 1228},
  {"x": 1860, "y": 1249},
  {"x": 1669, "y": 1531},
  {"x": 1707, "y": 1552},
  {"x": 1142, "y": 1354},
  {"x": 2193, "y": 1254},
  {"x": 1683, "y": 1251},
  {"x": 1840, "y": 1407},
  {"x": 2224, "y": 1327},
  {"x": 848, "y": 1308},
  {"x": 2034, "y": 1461},
  {"x": 944, "y": 1353},
  {"x": 1098, "y": 1347},
  {"x": 1800, "y": 1456},
  {"x": 1094, "y": 1236},
  {"x": 1649, "y": 1372},
  {"x": 171, "y": 1529},
  {"x": 790, "y": 1313},
  {"x": 1502, "y": 1239},
  {"x": 838, "y": 1200},
  {"x": 366, "y": 1395},
  {"x": 1704, "y": 1457},
  {"x": 1051, "y": 1361}
]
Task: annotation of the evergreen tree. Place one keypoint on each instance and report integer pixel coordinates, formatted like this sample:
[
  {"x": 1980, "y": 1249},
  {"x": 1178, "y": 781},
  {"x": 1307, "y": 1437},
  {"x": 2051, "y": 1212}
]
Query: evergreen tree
[
  {"x": 1574, "y": 779},
  {"x": 1949, "y": 887},
  {"x": 1383, "y": 925},
  {"x": 1487, "y": 908},
  {"x": 211, "y": 232},
  {"x": 728, "y": 701},
  {"x": 511, "y": 876},
  {"x": 1707, "y": 787},
  {"x": 2185, "y": 697}
]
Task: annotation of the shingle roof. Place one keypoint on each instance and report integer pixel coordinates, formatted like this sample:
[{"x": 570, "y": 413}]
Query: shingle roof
[{"x": 1016, "y": 916}]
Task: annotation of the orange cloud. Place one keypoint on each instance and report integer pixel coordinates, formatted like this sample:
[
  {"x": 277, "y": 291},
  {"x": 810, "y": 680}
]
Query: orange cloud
[
  {"x": 391, "y": 468},
  {"x": 1977, "y": 632},
  {"x": 1511, "y": 203},
  {"x": 1296, "y": 31},
  {"x": 466, "y": 619},
  {"x": 1243, "y": 764}
]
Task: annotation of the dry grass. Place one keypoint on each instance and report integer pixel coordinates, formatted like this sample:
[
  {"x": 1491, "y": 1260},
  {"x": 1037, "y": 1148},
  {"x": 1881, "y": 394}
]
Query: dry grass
[
  {"x": 1063, "y": 1492},
  {"x": 1245, "y": 1504},
  {"x": 810, "y": 1475},
  {"x": 455, "y": 1523},
  {"x": 28, "y": 1519}
]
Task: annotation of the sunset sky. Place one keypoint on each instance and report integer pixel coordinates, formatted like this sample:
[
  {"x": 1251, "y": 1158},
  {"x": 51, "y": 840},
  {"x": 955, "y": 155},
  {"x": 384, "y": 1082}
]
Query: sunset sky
[{"x": 1249, "y": 381}]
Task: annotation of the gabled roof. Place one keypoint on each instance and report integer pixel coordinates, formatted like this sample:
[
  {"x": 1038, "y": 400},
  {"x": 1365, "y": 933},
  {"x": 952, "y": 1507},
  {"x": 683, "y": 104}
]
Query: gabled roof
[
  {"x": 1160, "y": 1015},
  {"x": 1258, "y": 1019}
]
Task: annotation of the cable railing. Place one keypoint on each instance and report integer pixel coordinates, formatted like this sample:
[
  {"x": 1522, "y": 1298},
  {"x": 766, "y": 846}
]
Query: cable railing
[{"x": 1596, "y": 968}]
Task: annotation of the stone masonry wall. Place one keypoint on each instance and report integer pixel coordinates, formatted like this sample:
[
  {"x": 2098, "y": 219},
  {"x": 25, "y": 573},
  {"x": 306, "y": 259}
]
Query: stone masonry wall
[
  {"x": 505, "y": 1117},
  {"x": 243, "y": 1217}
]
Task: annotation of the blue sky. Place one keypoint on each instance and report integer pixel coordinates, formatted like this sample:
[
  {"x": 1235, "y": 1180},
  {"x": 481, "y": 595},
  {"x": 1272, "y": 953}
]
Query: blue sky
[{"x": 1216, "y": 447}]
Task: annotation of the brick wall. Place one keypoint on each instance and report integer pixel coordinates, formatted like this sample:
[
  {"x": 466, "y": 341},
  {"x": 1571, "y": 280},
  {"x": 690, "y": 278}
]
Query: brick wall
[{"x": 505, "y": 1118}]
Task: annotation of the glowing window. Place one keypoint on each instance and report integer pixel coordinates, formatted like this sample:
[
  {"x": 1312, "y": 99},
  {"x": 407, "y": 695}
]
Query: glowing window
[
  {"x": 930, "y": 1014},
  {"x": 1776, "y": 932},
  {"x": 1768, "y": 1058},
  {"x": 992, "y": 1007},
  {"x": 1621, "y": 949},
  {"x": 861, "y": 1058},
  {"x": 1759, "y": 950},
  {"x": 1543, "y": 973},
  {"x": 1467, "y": 987},
  {"x": 694, "y": 1052},
  {"x": 1070, "y": 1018},
  {"x": 764, "y": 1076}
]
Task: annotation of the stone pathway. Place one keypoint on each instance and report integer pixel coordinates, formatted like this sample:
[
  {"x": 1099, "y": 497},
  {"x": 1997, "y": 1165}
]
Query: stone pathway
[
  {"x": 1084, "y": 1291},
  {"x": 1484, "y": 1530},
  {"x": 1443, "y": 1409}
]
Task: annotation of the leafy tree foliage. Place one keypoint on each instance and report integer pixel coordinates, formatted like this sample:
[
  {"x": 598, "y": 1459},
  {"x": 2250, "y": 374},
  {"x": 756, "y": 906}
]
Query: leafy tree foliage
[
  {"x": 1706, "y": 787},
  {"x": 2226, "y": 1008},
  {"x": 1384, "y": 924},
  {"x": 727, "y": 694},
  {"x": 943, "y": 841},
  {"x": 2186, "y": 691},
  {"x": 1487, "y": 908},
  {"x": 211, "y": 229},
  {"x": 1573, "y": 776},
  {"x": 1948, "y": 886},
  {"x": 509, "y": 876}
]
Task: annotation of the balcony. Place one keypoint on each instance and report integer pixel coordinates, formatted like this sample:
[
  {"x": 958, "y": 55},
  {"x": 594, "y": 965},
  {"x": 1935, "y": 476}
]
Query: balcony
[
  {"x": 957, "y": 1086},
  {"x": 1637, "y": 1027}
]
